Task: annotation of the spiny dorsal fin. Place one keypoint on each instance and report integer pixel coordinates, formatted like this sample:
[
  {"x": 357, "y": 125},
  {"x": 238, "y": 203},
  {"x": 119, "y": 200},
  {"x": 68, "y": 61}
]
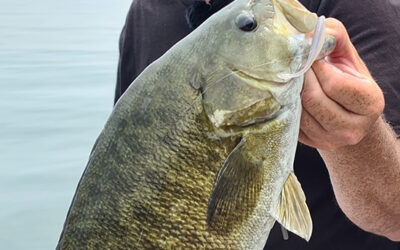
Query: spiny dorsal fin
[
  {"x": 292, "y": 211},
  {"x": 236, "y": 191}
]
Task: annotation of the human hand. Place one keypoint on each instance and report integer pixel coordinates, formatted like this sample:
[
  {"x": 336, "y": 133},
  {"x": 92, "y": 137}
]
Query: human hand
[{"x": 341, "y": 101}]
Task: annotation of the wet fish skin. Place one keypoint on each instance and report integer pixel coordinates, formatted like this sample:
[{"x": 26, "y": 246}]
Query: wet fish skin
[{"x": 185, "y": 159}]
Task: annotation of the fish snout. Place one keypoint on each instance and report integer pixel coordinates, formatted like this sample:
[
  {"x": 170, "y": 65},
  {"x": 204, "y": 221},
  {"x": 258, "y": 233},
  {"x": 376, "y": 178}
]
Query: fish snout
[{"x": 297, "y": 15}]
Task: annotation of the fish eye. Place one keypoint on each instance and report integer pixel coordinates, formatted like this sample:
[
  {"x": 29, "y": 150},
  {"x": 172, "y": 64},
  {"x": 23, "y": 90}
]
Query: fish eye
[{"x": 246, "y": 22}]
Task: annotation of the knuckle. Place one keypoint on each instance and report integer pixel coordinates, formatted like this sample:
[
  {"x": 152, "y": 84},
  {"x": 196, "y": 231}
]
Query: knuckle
[
  {"x": 307, "y": 126},
  {"x": 304, "y": 122},
  {"x": 376, "y": 102},
  {"x": 351, "y": 137},
  {"x": 376, "y": 106},
  {"x": 336, "y": 24},
  {"x": 380, "y": 103},
  {"x": 330, "y": 86},
  {"x": 309, "y": 98},
  {"x": 335, "y": 142}
]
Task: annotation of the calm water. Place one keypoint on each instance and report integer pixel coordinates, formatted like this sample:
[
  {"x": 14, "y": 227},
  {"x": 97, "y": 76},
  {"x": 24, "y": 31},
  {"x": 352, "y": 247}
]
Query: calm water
[{"x": 58, "y": 62}]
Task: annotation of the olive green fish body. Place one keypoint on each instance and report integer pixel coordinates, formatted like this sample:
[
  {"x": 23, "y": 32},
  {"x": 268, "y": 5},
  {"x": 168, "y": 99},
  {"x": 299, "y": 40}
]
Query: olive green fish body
[
  {"x": 199, "y": 151},
  {"x": 150, "y": 175}
]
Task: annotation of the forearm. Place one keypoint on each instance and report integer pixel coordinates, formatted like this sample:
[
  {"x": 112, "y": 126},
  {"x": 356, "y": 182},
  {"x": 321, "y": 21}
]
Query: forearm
[{"x": 366, "y": 180}]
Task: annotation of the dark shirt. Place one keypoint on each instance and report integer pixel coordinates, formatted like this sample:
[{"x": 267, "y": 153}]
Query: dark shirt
[{"x": 153, "y": 26}]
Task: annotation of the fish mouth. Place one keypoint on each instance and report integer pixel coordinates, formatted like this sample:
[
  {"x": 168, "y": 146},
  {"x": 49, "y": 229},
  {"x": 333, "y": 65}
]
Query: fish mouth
[{"x": 264, "y": 119}]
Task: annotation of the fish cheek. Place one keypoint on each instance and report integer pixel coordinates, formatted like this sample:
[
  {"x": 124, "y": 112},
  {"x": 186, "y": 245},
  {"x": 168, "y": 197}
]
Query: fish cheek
[{"x": 231, "y": 101}]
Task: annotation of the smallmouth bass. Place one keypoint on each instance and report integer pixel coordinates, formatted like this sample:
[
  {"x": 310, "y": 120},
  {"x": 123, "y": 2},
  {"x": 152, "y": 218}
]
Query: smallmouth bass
[{"x": 198, "y": 153}]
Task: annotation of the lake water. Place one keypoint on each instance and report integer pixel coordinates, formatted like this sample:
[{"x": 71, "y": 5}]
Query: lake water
[{"x": 58, "y": 61}]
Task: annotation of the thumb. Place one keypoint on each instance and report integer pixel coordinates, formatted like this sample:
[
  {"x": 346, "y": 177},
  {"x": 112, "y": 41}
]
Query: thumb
[{"x": 345, "y": 54}]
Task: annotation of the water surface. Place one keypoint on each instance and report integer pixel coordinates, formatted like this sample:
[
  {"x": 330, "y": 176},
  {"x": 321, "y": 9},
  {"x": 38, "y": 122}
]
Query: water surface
[{"x": 58, "y": 64}]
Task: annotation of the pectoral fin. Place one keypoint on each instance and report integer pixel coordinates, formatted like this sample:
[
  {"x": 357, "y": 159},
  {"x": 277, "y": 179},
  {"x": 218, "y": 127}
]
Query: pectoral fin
[
  {"x": 292, "y": 212},
  {"x": 236, "y": 190}
]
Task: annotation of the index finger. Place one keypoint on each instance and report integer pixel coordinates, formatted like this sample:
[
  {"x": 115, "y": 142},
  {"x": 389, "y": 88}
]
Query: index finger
[{"x": 360, "y": 95}]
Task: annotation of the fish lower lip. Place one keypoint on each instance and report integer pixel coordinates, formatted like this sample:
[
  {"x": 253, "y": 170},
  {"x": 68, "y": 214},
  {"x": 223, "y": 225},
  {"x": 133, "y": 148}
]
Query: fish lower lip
[{"x": 264, "y": 119}]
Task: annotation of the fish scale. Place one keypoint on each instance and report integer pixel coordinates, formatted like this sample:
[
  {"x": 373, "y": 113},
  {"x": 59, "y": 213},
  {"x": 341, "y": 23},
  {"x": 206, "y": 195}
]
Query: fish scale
[
  {"x": 185, "y": 144},
  {"x": 178, "y": 161}
]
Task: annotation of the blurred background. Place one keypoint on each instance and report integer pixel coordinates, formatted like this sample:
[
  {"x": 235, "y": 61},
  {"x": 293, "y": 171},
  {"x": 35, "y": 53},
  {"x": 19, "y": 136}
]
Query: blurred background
[{"x": 58, "y": 61}]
